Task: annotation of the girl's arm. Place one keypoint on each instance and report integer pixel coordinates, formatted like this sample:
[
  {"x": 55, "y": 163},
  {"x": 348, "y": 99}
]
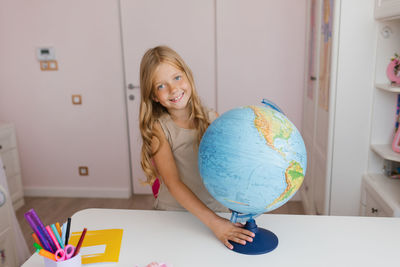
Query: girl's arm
[{"x": 222, "y": 228}]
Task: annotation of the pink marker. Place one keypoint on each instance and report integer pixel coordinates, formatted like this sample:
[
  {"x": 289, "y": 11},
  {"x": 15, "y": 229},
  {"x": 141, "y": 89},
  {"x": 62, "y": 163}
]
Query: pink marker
[{"x": 53, "y": 237}]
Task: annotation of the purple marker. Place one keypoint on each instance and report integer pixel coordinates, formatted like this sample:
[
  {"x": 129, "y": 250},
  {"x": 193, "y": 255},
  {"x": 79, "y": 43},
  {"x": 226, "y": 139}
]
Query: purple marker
[
  {"x": 37, "y": 232},
  {"x": 47, "y": 243},
  {"x": 40, "y": 225}
]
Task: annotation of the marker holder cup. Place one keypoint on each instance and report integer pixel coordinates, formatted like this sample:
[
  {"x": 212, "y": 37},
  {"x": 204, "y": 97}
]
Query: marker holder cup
[{"x": 72, "y": 262}]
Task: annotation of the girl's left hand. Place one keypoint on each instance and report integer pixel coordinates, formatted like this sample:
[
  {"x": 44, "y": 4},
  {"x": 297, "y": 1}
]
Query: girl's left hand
[{"x": 227, "y": 231}]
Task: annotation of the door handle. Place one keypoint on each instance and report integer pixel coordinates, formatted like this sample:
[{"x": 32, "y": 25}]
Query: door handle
[{"x": 132, "y": 86}]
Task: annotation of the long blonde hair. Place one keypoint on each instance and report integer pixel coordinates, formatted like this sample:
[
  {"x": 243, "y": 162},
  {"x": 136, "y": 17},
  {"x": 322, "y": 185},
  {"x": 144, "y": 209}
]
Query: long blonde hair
[{"x": 151, "y": 111}]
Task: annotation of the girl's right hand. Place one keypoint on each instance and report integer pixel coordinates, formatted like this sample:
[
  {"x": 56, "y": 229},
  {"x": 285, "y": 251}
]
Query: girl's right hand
[{"x": 227, "y": 231}]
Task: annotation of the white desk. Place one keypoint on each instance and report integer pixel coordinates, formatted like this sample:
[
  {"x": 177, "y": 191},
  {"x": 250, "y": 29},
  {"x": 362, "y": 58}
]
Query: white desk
[{"x": 180, "y": 239}]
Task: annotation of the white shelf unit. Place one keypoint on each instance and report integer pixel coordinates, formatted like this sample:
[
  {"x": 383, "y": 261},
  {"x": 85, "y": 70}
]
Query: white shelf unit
[
  {"x": 10, "y": 159},
  {"x": 381, "y": 194},
  {"x": 387, "y": 87},
  {"x": 387, "y": 9},
  {"x": 385, "y": 97},
  {"x": 8, "y": 257},
  {"x": 385, "y": 152}
]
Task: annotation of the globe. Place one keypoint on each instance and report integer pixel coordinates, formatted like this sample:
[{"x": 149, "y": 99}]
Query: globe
[{"x": 252, "y": 159}]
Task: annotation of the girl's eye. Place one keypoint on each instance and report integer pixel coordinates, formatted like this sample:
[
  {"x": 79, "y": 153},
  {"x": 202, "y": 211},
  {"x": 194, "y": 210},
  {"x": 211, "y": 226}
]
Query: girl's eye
[
  {"x": 161, "y": 86},
  {"x": 179, "y": 77}
]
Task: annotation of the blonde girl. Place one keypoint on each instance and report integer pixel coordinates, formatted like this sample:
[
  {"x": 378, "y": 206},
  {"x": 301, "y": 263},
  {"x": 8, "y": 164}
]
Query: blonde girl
[{"x": 172, "y": 122}]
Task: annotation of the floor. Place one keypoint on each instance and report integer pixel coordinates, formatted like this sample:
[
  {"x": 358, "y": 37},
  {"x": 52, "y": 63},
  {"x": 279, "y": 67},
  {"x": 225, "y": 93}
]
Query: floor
[{"x": 52, "y": 210}]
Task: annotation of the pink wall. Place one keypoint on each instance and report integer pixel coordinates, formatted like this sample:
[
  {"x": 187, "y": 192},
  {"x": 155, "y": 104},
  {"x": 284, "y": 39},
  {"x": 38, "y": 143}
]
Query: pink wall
[
  {"x": 55, "y": 137},
  {"x": 264, "y": 51},
  {"x": 261, "y": 52}
]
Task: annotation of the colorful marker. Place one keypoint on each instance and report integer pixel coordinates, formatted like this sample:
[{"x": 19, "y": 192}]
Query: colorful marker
[
  {"x": 44, "y": 252},
  {"x": 53, "y": 237},
  {"x": 37, "y": 246},
  {"x": 35, "y": 237},
  {"x": 78, "y": 247},
  {"x": 68, "y": 229},
  {"x": 35, "y": 229},
  {"x": 63, "y": 232},
  {"x": 58, "y": 228},
  {"x": 47, "y": 254},
  {"x": 40, "y": 225},
  {"x": 58, "y": 237}
]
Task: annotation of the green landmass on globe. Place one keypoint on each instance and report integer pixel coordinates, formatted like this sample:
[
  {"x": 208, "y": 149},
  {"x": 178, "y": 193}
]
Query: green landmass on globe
[{"x": 252, "y": 159}]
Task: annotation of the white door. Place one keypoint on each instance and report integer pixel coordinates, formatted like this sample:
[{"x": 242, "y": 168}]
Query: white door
[
  {"x": 186, "y": 26},
  {"x": 310, "y": 104},
  {"x": 317, "y": 115}
]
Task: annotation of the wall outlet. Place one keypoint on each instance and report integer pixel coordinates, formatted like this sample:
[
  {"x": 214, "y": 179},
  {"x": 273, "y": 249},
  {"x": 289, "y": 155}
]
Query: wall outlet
[
  {"x": 77, "y": 99},
  {"x": 83, "y": 171},
  {"x": 49, "y": 65}
]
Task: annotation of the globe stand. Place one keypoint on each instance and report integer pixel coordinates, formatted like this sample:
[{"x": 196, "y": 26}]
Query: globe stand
[{"x": 264, "y": 241}]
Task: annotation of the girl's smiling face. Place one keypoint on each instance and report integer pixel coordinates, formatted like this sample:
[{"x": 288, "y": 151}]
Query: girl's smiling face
[{"x": 172, "y": 87}]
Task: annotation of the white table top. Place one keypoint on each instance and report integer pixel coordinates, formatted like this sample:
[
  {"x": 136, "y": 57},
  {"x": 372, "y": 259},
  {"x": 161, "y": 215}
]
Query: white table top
[{"x": 180, "y": 239}]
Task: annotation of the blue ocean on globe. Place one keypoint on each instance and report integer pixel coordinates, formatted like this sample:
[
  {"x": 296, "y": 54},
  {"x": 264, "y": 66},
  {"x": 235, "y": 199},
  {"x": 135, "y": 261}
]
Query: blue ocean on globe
[{"x": 252, "y": 159}]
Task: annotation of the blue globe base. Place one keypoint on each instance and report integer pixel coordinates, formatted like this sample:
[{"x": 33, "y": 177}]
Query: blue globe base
[{"x": 264, "y": 241}]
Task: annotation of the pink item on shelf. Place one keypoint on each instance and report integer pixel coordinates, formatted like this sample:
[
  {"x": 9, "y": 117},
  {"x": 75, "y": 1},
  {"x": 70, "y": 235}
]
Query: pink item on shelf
[
  {"x": 390, "y": 71},
  {"x": 396, "y": 141}
]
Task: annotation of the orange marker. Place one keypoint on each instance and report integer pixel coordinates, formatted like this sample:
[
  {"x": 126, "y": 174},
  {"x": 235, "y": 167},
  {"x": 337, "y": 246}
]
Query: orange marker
[
  {"x": 58, "y": 228},
  {"x": 47, "y": 254},
  {"x": 35, "y": 237}
]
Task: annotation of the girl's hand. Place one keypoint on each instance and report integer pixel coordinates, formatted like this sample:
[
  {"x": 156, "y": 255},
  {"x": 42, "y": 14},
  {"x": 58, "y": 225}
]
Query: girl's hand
[{"x": 226, "y": 231}]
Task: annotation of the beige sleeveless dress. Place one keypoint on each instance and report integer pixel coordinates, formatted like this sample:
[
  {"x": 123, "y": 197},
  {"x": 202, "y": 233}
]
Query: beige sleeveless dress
[{"x": 182, "y": 142}]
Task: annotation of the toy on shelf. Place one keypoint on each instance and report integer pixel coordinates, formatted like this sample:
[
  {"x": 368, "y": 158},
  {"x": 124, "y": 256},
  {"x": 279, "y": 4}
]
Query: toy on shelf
[
  {"x": 393, "y": 70},
  {"x": 391, "y": 169},
  {"x": 396, "y": 139},
  {"x": 396, "y": 142}
]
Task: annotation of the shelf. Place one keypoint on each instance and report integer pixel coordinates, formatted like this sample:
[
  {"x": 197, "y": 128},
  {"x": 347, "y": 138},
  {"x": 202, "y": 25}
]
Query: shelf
[
  {"x": 387, "y": 87},
  {"x": 386, "y": 189},
  {"x": 386, "y": 152}
]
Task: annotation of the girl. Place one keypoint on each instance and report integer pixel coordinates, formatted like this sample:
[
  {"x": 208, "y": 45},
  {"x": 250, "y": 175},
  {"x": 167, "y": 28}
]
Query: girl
[{"x": 172, "y": 122}]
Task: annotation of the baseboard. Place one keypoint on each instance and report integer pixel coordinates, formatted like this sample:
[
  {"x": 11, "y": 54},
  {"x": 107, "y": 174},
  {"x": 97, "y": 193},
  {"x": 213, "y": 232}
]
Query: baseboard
[
  {"x": 18, "y": 204},
  {"x": 84, "y": 192},
  {"x": 46, "y": 191}
]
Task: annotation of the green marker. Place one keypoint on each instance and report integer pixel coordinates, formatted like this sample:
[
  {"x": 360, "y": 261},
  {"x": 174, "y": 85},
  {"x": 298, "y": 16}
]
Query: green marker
[{"x": 37, "y": 246}]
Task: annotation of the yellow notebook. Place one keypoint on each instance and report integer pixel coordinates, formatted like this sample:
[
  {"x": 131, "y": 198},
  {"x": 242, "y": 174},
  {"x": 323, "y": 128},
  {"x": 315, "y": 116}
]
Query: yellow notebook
[{"x": 99, "y": 245}]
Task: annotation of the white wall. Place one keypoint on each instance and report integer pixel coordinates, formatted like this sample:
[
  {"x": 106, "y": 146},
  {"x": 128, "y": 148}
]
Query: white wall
[{"x": 55, "y": 137}]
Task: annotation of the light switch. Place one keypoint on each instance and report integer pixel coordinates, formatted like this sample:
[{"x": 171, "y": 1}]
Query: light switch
[
  {"x": 76, "y": 99},
  {"x": 46, "y": 53}
]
